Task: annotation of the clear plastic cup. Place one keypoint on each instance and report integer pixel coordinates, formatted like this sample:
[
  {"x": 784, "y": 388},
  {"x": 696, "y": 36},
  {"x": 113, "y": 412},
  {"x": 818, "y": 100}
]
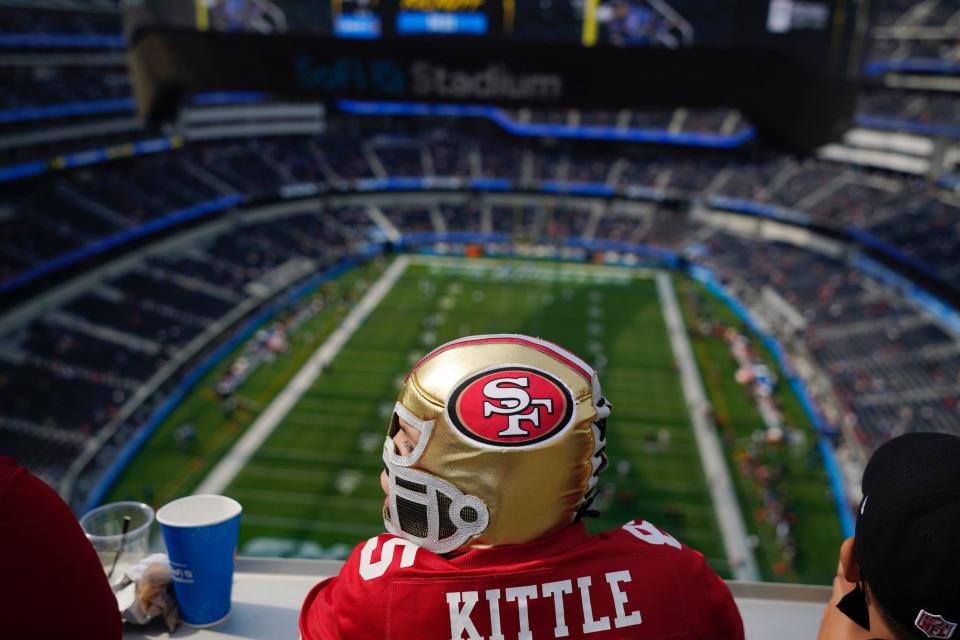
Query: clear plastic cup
[{"x": 119, "y": 551}]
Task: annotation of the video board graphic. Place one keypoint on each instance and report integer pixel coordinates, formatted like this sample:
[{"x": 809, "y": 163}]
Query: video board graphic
[
  {"x": 268, "y": 17},
  {"x": 637, "y": 23},
  {"x": 445, "y": 17},
  {"x": 357, "y": 19}
]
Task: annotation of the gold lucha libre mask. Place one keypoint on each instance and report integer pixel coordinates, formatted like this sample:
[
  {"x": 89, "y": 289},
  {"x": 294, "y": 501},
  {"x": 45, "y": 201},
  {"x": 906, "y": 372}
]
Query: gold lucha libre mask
[{"x": 512, "y": 437}]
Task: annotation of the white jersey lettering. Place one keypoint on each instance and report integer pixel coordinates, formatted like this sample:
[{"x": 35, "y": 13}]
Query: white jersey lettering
[
  {"x": 521, "y": 595},
  {"x": 589, "y": 624},
  {"x": 493, "y": 601},
  {"x": 460, "y": 616},
  {"x": 461, "y": 606},
  {"x": 370, "y": 570},
  {"x": 650, "y": 534},
  {"x": 614, "y": 579},
  {"x": 557, "y": 590}
]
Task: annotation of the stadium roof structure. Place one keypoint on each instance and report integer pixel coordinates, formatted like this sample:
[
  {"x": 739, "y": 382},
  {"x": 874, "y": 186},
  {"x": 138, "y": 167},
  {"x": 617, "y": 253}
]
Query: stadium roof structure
[{"x": 267, "y": 594}]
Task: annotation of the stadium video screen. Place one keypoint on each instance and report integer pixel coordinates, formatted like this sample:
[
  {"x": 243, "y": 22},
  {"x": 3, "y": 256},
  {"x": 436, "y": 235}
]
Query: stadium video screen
[{"x": 671, "y": 24}]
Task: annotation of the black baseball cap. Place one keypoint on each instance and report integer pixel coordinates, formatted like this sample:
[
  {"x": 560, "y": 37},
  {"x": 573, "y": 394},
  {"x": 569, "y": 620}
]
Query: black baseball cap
[{"x": 908, "y": 532}]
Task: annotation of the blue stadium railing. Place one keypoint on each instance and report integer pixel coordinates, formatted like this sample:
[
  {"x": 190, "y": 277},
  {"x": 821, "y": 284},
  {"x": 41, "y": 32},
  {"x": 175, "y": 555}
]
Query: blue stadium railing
[
  {"x": 10, "y": 40},
  {"x": 34, "y": 113},
  {"x": 949, "y": 181},
  {"x": 926, "y": 129},
  {"x": 922, "y": 66},
  {"x": 534, "y": 130},
  {"x": 13, "y": 172}
]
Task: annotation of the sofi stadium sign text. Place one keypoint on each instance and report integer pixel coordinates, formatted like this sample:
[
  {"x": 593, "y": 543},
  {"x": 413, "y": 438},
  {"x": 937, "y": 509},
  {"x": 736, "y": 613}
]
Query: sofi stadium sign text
[
  {"x": 424, "y": 80},
  {"x": 492, "y": 83}
]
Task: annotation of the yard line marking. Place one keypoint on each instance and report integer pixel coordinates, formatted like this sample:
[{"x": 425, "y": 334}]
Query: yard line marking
[
  {"x": 729, "y": 517},
  {"x": 238, "y": 456}
]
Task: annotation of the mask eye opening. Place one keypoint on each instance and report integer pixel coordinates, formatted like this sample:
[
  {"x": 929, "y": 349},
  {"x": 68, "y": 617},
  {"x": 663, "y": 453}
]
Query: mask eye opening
[{"x": 394, "y": 426}]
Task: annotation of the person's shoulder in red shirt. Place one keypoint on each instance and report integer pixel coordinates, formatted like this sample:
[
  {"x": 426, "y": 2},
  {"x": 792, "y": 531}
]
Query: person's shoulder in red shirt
[{"x": 52, "y": 583}]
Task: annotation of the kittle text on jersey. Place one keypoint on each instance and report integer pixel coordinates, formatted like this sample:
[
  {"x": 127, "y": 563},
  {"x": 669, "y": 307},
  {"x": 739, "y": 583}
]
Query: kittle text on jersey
[{"x": 463, "y": 606}]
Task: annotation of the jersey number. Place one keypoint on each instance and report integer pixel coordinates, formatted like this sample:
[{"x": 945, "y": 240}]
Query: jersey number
[
  {"x": 650, "y": 534},
  {"x": 370, "y": 570}
]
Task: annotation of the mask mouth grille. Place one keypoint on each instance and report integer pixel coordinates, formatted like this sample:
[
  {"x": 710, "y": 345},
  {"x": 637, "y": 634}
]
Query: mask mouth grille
[
  {"x": 447, "y": 527},
  {"x": 412, "y": 516},
  {"x": 412, "y": 486}
]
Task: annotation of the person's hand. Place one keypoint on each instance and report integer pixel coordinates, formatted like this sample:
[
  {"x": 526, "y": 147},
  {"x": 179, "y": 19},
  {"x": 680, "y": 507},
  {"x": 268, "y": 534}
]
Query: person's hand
[{"x": 835, "y": 625}]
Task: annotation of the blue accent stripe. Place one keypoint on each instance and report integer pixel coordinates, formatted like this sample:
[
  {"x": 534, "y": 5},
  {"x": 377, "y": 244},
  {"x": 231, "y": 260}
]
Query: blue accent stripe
[
  {"x": 62, "y": 40},
  {"x": 931, "y": 129},
  {"x": 411, "y": 23},
  {"x": 13, "y": 172},
  {"x": 760, "y": 210},
  {"x": 229, "y": 97},
  {"x": 120, "y": 105},
  {"x": 871, "y": 241},
  {"x": 505, "y": 121},
  {"x": 357, "y": 27},
  {"x": 389, "y": 184},
  {"x": 66, "y": 110},
  {"x": 947, "y": 315},
  {"x": 71, "y": 258},
  {"x": 935, "y": 66},
  {"x": 949, "y": 181},
  {"x": 20, "y": 171},
  {"x": 577, "y": 188},
  {"x": 455, "y": 237},
  {"x": 491, "y": 184},
  {"x": 96, "y": 156}
]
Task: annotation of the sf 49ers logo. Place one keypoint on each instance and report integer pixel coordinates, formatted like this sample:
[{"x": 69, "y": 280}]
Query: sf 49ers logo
[
  {"x": 510, "y": 406},
  {"x": 934, "y": 626}
]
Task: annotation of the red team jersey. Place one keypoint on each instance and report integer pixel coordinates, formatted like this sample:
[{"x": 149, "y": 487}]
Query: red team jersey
[{"x": 633, "y": 582}]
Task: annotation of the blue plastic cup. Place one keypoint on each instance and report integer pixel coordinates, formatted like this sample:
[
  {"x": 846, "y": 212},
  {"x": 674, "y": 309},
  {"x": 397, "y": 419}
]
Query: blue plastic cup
[{"x": 201, "y": 537}]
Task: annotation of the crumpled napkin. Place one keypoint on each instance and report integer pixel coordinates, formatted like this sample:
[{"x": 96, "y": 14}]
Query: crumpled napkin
[{"x": 146, "y": 592}]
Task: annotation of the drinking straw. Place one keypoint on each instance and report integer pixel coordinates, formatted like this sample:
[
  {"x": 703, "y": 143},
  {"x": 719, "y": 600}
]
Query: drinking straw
[{"x": 123, "y": 540}]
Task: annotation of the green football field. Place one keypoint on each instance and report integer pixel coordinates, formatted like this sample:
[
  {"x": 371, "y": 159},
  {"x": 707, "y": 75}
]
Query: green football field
[{"x": 312, "y": 489}]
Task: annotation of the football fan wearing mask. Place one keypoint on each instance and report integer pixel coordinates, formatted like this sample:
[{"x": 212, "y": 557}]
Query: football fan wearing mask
[{"x": 491, "y": 460}]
